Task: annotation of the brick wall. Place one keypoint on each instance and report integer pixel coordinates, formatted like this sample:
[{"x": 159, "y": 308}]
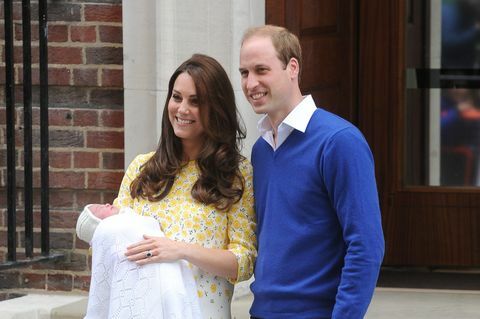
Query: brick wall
[{"x": 85, "y": 127}]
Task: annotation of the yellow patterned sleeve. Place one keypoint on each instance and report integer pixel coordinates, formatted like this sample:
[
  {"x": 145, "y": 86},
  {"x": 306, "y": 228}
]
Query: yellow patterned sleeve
[
  {"x": 124, "y": 199},
  {"x": 242, "y": 226}
]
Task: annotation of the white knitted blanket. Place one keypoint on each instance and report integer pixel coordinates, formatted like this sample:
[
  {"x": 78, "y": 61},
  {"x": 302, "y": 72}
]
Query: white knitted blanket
[{"x": 120, "y": 289}]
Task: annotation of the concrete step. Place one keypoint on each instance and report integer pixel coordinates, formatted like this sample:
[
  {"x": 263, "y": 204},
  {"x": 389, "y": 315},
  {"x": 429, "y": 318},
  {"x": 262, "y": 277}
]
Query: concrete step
[
  {"x": 61, "y": 306},
  {"x": 44, "y": 306}
]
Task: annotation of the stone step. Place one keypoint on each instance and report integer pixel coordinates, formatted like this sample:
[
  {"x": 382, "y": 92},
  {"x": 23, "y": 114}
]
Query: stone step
[{"x": 44, "y": 306}]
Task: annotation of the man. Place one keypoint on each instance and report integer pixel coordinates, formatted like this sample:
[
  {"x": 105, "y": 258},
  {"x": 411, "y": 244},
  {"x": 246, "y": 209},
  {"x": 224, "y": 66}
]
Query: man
[{"x": 319, "y": 226}]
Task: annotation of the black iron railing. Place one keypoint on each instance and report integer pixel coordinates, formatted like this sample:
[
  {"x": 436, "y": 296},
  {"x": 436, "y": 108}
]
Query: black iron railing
[{"x": 12, "y": 260}]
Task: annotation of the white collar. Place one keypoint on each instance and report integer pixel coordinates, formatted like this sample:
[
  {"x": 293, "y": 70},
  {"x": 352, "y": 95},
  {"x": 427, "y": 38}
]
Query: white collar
[{"x": 297, "y": 119}]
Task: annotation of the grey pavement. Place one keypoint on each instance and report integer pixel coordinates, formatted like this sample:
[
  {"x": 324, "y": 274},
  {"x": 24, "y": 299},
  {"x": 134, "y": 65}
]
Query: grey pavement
[{"x": 404, "y": 303}]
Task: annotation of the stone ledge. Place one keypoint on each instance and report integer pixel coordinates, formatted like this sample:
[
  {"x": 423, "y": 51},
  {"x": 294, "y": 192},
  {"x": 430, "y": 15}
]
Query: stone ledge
[{"x": 43, "y": 306}]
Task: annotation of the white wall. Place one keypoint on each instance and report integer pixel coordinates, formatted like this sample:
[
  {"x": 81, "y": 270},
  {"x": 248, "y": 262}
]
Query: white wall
[{"x": 158, "y": 36}]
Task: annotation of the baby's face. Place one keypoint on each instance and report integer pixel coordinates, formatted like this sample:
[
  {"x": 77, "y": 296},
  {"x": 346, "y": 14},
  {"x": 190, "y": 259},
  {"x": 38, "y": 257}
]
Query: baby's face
[{"x": 103, "y": 211}]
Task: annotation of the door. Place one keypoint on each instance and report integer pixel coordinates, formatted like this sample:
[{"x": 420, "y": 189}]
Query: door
[
  {"x": 326, "y": 32},
  {"x": 356, "y": 59}
]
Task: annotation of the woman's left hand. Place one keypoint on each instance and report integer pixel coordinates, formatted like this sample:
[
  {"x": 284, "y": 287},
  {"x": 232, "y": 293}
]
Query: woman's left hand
[{"x": 154, "y": 249}]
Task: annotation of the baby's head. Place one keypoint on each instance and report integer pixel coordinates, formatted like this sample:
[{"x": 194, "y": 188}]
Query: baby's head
[
  {"x": 90, "y": 217},
  {"x": 103, "y": 211}
]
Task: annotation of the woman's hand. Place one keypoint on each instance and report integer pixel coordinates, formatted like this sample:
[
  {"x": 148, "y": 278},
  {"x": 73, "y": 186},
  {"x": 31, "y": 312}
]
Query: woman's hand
[
  {"x": 155, "y": 249},
  {"x": 220, "y": 262}
]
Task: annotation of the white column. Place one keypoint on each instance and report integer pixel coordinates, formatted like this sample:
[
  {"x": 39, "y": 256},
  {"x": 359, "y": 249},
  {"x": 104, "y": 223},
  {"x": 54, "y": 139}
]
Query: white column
[
  {"x": 140, "y": 92},
  {"x": 158, "y": 36}
]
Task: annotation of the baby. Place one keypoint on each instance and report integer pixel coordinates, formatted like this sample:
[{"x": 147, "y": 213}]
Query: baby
[
  {"x": 119, "y": 287},
  {"x": 91, "y": 216}
]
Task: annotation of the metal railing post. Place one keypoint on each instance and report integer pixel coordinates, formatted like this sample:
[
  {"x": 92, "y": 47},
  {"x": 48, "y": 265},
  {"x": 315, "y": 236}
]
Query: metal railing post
[
  {"x": 10, "y": 119},
  {"x": 27, "y": 127},
  {"x": 43, "y": 43}
]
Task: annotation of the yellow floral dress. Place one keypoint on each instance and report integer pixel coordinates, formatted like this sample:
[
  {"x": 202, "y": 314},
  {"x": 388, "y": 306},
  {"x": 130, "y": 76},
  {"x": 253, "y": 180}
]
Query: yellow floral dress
[{"x": 184, "y": 219}]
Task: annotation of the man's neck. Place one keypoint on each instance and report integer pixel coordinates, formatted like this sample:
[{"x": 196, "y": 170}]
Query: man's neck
[{"x": 277, "y": 118}]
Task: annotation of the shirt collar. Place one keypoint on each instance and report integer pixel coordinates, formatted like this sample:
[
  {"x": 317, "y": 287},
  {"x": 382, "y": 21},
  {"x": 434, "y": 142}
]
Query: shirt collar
[{"x": 297, "y": 119}]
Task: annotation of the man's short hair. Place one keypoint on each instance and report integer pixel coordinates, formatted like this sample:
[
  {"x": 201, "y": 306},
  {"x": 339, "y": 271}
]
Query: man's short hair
[{"x": 285, "y": 42}]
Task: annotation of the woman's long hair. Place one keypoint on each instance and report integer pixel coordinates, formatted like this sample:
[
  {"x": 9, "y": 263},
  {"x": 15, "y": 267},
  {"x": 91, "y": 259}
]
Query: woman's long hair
[{"x": 220, "y": 181}]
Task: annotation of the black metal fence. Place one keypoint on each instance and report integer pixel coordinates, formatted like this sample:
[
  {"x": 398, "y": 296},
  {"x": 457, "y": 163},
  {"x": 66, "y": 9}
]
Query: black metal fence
[{"x": 12, "y": 260}]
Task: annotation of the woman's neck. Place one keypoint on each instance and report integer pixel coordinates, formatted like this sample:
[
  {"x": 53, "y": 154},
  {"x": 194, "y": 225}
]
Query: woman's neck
[{"x": 191, "y": 150}]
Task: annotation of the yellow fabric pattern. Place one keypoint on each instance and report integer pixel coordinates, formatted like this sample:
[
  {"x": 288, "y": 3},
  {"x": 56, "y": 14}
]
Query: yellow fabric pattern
[{"x": 184, "y": 219}]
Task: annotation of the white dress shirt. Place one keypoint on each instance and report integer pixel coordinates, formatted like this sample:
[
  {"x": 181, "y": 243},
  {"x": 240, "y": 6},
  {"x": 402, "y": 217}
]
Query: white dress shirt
[{"x": 297, "y": 119}]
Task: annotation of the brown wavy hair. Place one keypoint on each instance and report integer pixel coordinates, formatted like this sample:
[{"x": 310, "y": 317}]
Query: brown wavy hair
[{"x": 220, "y": 181}]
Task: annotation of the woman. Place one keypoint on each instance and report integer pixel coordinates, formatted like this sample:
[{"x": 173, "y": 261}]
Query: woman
[{"x": 198, "y": 186}]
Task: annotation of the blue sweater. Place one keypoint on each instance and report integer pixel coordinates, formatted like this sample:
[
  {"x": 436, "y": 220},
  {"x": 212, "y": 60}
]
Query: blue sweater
[{"x": 319, "y": 226}]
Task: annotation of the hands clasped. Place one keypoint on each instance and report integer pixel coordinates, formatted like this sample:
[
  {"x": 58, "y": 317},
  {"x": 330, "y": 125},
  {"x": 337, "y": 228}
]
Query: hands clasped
[{"x": 154, "y": 249}]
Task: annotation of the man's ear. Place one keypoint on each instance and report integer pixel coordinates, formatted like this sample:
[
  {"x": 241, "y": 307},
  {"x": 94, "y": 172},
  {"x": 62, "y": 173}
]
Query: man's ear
[{"x": 293, "y": 67}]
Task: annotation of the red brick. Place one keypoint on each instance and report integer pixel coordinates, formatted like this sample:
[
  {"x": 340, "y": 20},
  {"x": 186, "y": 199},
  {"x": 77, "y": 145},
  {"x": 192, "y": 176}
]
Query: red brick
[
  {"x": 62, "y": 198},
  {"x": 58, "y": 240},
  {"x": 19, "y": 176},
  {"x": 3, "y": 214},
  {"x": 67, "y": 179},
  {"x": 111, "y": 34},
  {"x": 18, "y": 54},
  {"x": 56, "y": 76},
  {"x": 85, "y": 77},
  {"x": 81, "y": 282},
  {"x": 109, "y": 197},
  {"x": 112, "y": 118},
  {"x": 35, "y": 116},
  {"x": 105, "y": 139},
  {"x": 35, "y": 158},
  {"x": 104, "y": 55},
  {"x": 80, "y": 244},
  {"x": 111, "y": 98},
  {"x": 2, "y": 68},
  {"x": 71, "y": 261},
  {"x": 57, "y": 33},
  {"x": 59, "y": 282},
  {"x": 9, "y": 280},
  {"x": 3, "y": 156},
  {"x": 3, "y": 236},
  {"x": 33, "y": 281},
  {"x": 112, "y": 78},
  {"x": 64, "y": 12},
  {"x": 86, "y": 160},
  {"x": 83, "y": 33},
  {"x": 66, "y": 138},
  {"x": 64, "y": 55},
  {"x": 104, "y": 180},
  {"x": 3, "y": 116},
  {"x": 19, "y": 32},
  {"x": 59, "y": 117},
  {"x": 103, "y": 13},
  {"x": 59, "y": 159},
  {"x": 20, "y": 217},
  {"x": 63, "y": 219},
  {"x": 68, "y": 96},
  {"x": 113, "y": 160},
  {"x": 17, "y": 10},
  {"x": 3, "y": 137},
  {"x": 86, "y": 197},
  {"x": 85, "y": 118}
]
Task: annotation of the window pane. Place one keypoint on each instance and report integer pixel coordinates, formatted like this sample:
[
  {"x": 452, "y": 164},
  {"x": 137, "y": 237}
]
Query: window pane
[{"x": 443, "y": 116}]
